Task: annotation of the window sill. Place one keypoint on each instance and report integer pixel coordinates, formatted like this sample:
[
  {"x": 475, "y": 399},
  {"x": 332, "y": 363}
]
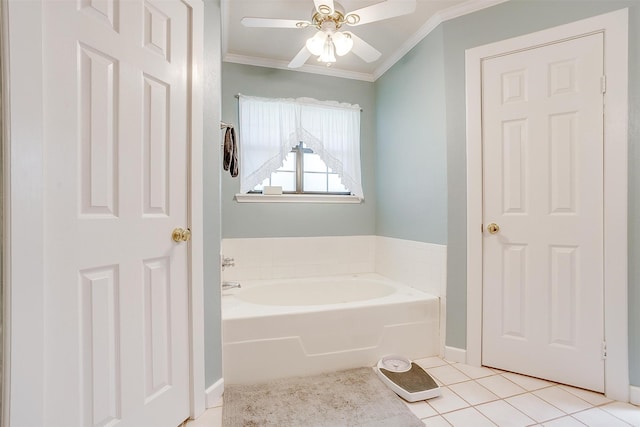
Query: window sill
[{"x": 296, "y": 198}]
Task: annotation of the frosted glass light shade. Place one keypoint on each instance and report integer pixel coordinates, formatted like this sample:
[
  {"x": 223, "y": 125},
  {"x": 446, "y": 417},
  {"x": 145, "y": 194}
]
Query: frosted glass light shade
[
  {"x": 343, "y": 43},
  {"x": 315, "y": 44}
]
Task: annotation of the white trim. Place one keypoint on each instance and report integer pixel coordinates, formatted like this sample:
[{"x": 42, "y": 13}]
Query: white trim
[
  {"x": 616, "y": 180},
  {"x": 466, "y": 8},
  {"x": 615, "y": 26},
  {"x": 214, "y": 394},
  {"x": 442, "y": 341},
  {"x": 196, "y": 215},
  {"x": 431, "y": 24},
  {"x": 409, "y": 44},
  {"x": 224, "y": 23},
  {"x": 24, "y": 205},
  {"x": 5, "y": 373},
  {"x": 473, "y": 85},
  {"x": 284, "y": 65},
  {"x": 634, "y": 395},
  {"x": 453, "y": 354},
  {"x": 296, "y": 198}
]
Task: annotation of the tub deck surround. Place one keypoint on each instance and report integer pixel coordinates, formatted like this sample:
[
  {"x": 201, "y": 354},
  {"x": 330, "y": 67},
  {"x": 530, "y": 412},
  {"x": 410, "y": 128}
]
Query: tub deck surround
[
  {"x": 282, "y": 337},
  {"x": 417, "y": 264},
  {"x": 289, "y": 257},
  {"x": 268, "y": 341}
]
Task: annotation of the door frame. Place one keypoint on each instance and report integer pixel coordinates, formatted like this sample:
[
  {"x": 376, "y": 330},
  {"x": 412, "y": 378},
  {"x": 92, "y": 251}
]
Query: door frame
[
  {"x": 23, "y": 208},
  {"x": 614, "y": 25},
  {"x": 4, "y": 343}
]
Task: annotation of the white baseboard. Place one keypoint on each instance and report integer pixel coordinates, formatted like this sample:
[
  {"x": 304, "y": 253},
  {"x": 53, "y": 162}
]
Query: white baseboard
[
  {"x": 443, "y": 326},
  {"x": 634, "y": 395},
  {"x": 214, "y": 394},
  {"x": 454, "y": 354}
]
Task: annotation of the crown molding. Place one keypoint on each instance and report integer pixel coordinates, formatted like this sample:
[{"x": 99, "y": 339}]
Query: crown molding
[
  {"x": 467, "y": 8},
  {"x": 430, "y": 25},
  {"x": 283, "y": 65},
  {"x": 411, "y": 42}
]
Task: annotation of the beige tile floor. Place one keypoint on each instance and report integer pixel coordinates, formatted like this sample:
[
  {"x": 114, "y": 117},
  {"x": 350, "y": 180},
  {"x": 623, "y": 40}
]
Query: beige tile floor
[{"x": 477, "y": 397}]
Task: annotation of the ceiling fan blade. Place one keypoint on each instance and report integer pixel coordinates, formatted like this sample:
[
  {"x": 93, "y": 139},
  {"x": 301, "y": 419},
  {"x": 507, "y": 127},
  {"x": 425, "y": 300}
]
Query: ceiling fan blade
[
  {"x": 273, "y": 23},
  {"x": 324, "y": 6},
  {"x": 363, "y": 49},
  {"x": 383, "y": 10},
  {"x": 299, "y": 60}
]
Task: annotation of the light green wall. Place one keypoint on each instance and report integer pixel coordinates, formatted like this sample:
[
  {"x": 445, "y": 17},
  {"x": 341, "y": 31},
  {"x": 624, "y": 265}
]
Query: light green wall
[
  {"x": 298, "y": 219},
  {"x": 510, "y": 19},
  {"x": 211, "y": 185},
  {"x": 418, "y": 121},
  {"x": 500, "y": 22},
  {"x": 411, "y": 165}
]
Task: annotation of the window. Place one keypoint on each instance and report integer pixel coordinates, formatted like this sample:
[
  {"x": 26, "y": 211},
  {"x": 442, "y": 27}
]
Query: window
[
  {"x": 303, "y": 171},
  {"x": 327, "y": 161}
]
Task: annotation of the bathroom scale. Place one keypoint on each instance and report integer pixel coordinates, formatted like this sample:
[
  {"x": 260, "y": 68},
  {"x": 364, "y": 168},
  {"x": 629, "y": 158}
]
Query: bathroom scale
[{"x": 407, "y": 379}]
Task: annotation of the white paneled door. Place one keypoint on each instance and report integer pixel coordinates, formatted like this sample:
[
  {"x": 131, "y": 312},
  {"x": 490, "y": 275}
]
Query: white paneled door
[
  {"x": 543, "y": 212},
  {"x": 116, "y": 143}
]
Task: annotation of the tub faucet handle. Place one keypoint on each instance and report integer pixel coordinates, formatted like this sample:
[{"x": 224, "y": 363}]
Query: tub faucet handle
[
  {"x": 228, "y": 262},
  {"x": 230, "y": 285}
]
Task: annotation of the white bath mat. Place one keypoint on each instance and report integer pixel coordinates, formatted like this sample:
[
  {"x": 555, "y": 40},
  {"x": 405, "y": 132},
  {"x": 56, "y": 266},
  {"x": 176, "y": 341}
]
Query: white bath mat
[{"x": 355, "y": 397}]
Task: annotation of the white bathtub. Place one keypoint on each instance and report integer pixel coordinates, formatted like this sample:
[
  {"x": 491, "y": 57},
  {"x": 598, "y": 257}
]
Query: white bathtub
[{"x": 275, "y": 329}]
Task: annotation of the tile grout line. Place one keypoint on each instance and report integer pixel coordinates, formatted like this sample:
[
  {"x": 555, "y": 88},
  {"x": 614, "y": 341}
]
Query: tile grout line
[
  {"x": 531, "y": 392},
  {"x": 568, "y": 413},
  {"x": 565, "y": 414},
  {"x": 614, "y": 416}
]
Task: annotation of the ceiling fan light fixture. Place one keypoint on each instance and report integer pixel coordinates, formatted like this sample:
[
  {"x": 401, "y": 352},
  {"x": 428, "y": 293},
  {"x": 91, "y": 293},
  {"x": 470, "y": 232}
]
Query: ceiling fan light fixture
[
  {"x": 316, "y": 44},
  {"x": 343, "y": 43},
  {"x": 328, "y": 52},
  {"x": 329, "y": 17}
]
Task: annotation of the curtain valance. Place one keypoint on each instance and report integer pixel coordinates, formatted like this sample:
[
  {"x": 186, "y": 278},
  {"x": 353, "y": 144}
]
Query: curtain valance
[{"x": 269, "y": 128}]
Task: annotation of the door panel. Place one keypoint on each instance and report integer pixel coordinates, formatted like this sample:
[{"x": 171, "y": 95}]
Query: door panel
[
  {"x": 542, "y": 184},
  {"x": 116, "y": 185},
  {"x": 101, "y": 339}
]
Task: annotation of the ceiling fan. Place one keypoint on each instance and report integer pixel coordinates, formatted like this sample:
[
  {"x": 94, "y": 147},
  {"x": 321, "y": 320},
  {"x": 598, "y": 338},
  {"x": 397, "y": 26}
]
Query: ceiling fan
[{"x": 329, "y": 17}]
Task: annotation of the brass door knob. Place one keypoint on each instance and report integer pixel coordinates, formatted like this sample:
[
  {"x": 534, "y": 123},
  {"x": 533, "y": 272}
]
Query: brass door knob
[
  {"x": 181, "y": 235},
  {"x": 493, "y": 228}
]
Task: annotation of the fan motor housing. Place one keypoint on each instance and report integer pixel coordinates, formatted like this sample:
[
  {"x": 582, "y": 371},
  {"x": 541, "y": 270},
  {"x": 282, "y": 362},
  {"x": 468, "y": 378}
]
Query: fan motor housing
[{"x": 337, "y": 17}]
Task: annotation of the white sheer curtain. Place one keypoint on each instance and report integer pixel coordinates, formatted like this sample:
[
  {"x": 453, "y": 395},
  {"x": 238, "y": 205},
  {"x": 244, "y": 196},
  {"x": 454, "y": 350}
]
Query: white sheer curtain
[{"x": 269, "y": 128}]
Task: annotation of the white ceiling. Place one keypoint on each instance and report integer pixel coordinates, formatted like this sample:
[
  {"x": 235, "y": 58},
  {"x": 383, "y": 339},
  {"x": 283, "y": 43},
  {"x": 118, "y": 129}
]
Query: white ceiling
[{"x": 275, "y": 47}]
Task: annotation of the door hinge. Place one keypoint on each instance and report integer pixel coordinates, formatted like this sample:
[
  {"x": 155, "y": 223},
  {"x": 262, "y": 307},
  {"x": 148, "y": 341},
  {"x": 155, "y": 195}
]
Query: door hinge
[
  {"x": 603, "y": 84},
  {"x": 604, "y": 350}
]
